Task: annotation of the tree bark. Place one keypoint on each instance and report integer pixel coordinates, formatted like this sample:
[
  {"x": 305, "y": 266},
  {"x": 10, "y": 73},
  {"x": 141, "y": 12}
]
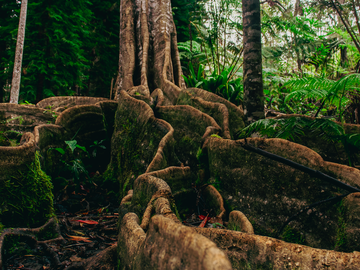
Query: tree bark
[
  {"x": 298, "y": 9},
  {"x": 15, "y": 85},
  {"x": 253, "y": 83},
  {"x": 2, "y": 78},
  {"x": 148, "y": 49}
]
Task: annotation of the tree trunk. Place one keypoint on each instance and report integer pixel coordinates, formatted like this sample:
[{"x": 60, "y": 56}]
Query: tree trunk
[
  {"x": 15, "y": 85},
  {"x": 253, "y": 83},
  {"x": 2, "y": 77},
  {"x": 148, "y": 49},
  {"x": 343, "y": 50},
  {"x": 298, "y": 9}
]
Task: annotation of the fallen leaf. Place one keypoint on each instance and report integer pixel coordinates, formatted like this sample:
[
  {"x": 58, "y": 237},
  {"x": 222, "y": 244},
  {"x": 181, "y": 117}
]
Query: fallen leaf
[
  {"x": 89, "y": 222},
  {"x": 202, "y": 217},
  {"x": 203, "y": 223},
  {"x": 79, "y": 232},
  {"x": 79, "y": 238}
]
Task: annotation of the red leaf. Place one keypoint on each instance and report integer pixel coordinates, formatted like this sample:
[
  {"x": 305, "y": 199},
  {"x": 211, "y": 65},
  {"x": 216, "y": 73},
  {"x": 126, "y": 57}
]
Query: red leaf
[
  {"x": 202, "y": 217},
  {"x": 203, "y": 223},
  {"x": 89, "y": 222}
]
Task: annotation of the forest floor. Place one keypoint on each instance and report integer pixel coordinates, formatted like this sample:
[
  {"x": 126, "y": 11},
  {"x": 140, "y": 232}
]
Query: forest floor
[{"x": 88, "y": 222}]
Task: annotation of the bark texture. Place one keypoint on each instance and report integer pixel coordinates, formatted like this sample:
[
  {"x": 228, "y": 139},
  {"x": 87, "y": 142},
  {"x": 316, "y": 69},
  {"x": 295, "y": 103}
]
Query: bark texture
[
  {"x": 148, "y": 49},
  {"x": 253, "y": 83},
  {"x": 15, "y": 85}
]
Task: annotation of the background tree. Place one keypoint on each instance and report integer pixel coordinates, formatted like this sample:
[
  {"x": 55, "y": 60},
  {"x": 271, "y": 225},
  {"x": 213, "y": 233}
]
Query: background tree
[
  {"x": 15, "y": 85},
  {"x": 8, "y": 23},
  {"x": 70, "y": 47},
  {"x": 253, "y": 83}
]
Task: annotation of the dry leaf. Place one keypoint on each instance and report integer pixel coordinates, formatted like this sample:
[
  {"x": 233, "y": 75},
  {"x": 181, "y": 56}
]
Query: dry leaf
[
  {"x": 89, "y": 222},
  {"x": 79, "y": 238}
]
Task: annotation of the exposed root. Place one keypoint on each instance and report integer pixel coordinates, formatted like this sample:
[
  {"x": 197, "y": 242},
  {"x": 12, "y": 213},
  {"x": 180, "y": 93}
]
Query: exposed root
[
  {"x": 104, "y": 260},
  {"x": 28, "y": 235}
]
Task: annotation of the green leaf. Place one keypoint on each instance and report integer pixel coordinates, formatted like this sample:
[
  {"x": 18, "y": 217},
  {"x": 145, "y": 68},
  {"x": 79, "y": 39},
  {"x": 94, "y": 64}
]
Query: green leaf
[
  {"x": 60, "y": 150},
  {"x": 81, "y": 147},
  {"x": 72, "y": 145}
]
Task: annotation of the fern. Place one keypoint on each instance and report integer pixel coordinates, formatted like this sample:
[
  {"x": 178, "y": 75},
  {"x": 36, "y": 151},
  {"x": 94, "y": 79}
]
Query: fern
[
  {"x": 294, "y": 128},
  {"x": 308, "y": 88},
  {"x": 330, "y": 92}
]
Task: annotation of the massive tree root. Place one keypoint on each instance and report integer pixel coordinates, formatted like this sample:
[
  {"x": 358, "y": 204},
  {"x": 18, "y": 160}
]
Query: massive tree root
[{"x": 169, "y": 143}]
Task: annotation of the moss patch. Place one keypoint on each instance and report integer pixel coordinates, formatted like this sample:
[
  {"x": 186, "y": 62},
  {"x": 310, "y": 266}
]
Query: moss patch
[{"x": 27, "y": 198}]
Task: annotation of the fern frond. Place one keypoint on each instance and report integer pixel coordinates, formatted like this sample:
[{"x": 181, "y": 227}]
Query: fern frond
[
  {"x": 306, "y": 93},
  {"x": 309, "y": 83},
  {"x": 326, "y": 128},
  {"x": 344, "y": 84}
]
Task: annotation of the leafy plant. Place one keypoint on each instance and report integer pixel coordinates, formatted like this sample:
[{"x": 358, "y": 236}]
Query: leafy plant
[
  {"x": 294, "y": 128},
  {"x": 329, "y": 92},
  {"x": 96, "y": 146},
  {"x": 194, "y": 80},
  {"x": 221, "y": 84},
  {"x": 75, "y": 166}
]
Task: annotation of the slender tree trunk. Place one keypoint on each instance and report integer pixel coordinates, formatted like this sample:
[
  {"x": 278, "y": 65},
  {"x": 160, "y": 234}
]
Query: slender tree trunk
[
  {"x": 343, "y": 51},
  {"x": 298, "y": 9},
  {"x": 15, "y": 85},
  {"x": 253, "y": 83},
  {"x": 2, "y": 72}
]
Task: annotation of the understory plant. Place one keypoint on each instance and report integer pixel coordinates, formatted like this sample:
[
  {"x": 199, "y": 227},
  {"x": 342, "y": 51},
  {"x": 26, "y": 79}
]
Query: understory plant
[
  {"x": 221, "y": 84},
  {"x": 296, "y": 128},
  {"x": 75, "y": 167},
  {"x": 319, "y": 95}
]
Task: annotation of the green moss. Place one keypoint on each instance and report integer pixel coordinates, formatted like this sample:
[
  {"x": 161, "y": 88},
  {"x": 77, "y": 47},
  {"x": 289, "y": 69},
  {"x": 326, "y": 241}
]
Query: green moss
[
  {"x": 174, "y": 209},
  {"x": 292, "y": 235},
  {"x": 234, "y": 227},
  {"x": 10, "y": 138},
  {"x": 27, "y": 197},
  {"x": 341, "y": 237},
  {"x": 2, "y": 227},
  {"x": 215, "y": 136}
]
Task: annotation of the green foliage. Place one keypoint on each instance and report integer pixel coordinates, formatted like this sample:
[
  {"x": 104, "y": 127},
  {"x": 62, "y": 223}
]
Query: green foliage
[
  {"x": 221, "y": 84},
  {"x": 194, "y": 80},
  {"x": 75, "y": 167},
  {"x": 332, "y": 93},
  {"x": 183, "y": 13},
  {"x": 69, "y": 47},
  {"x": 295, "y": 128},
  {"x": 97, "y": 146}
]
